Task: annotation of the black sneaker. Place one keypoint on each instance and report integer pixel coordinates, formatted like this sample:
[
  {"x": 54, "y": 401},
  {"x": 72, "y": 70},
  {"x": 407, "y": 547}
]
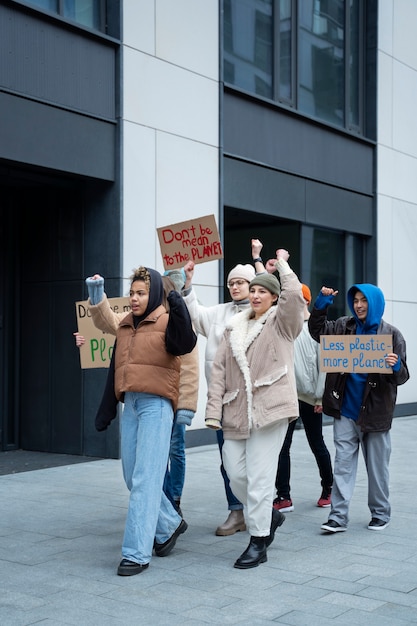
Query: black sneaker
[
  {"x": 333, "y": 527},
  {"x": 130, "y": 568},
  {"x": 377, "y": 524}
]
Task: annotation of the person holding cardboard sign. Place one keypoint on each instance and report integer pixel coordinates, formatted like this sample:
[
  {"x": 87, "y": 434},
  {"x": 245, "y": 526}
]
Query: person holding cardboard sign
[
  {"x": 362, "y": 405},
  {"x": 187, "y": 400},
  {"x": 149, "y": 342},
  {"x": 210, "y": 322}
]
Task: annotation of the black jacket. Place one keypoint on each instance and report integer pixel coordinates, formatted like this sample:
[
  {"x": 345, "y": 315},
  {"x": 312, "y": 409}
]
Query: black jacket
[{"x": 380, "y": 394}]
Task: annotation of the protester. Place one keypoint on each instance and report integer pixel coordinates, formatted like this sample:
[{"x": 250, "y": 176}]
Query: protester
[
  {"x": 187, "y": 404},
  {"x": 210, "y": 322},
  {"x": 362, "y": 405},
  {"x": 146, "y": 362},
  {"x": 310, "y": 386},
  {"x": 252, "y": 397},
  {"x": 187, "y": 400}
]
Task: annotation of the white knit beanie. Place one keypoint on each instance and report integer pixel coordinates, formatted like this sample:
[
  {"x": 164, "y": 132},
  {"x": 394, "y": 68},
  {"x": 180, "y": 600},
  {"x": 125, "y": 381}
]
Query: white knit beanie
[{"x": 247, "y": 272}]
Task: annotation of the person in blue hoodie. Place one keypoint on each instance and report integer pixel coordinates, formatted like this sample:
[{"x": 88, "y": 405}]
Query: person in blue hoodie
[{"x": 362, "y": 405}]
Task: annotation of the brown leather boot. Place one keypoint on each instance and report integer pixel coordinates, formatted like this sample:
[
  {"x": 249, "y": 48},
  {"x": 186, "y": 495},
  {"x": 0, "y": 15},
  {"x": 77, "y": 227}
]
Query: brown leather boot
[{"x": 234, "y": 523}]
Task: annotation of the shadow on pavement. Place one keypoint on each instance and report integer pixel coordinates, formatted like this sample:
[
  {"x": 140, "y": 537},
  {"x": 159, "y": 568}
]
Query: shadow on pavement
[{"x": 15, "y": 461}]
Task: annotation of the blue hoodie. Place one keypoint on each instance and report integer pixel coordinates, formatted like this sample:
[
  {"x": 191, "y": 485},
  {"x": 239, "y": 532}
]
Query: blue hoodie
[{"x": 355, "y": 383}]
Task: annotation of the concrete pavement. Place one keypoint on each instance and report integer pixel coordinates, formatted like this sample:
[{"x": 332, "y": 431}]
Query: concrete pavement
[{"x": 61, "y": 530}]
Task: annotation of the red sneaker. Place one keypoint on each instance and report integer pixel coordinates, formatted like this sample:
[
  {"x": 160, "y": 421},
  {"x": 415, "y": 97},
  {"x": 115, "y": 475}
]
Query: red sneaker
[
  {"x": 325, "y": 500},
  {"x": 283, "y": 504}
]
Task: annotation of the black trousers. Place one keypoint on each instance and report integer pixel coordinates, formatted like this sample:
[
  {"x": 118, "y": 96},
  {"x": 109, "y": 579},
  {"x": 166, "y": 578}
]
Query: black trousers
[{"x": 313, "y": 426}]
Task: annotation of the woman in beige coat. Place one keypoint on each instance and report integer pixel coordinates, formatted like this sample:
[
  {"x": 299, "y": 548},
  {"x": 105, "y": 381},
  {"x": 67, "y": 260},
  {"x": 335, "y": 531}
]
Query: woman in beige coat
[{"x": 252, "y": 396}]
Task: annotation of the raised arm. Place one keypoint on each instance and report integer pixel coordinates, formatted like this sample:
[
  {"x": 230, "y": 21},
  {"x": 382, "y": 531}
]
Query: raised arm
[
  {"x": 290, "y": 306},
  {"x": 202, "y": 317},
  {"x": 318, "y": 324},
  {"x": 104, "y": 318}
]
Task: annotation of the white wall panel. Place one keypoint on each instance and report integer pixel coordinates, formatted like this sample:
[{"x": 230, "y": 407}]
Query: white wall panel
[
  {"x": 397, "y": 171},
  {"x": 385, "y": 245},
  {"x": 187, "y": 183},
  {"x": 139, "y": 25},
  {"x": 404, "y": 256},
  {"x": 138, "y": 197},
  {"x": 404, "y": 90},
  {"x": 188, "y": 35},
  {"x": 404, "y": 31},
  {"x": 397, "y": 175},
  {"x": 385, "y": 100},
  {"x": 385, "y": 26},
  {"x": 164, "y": 96},
  {"x": 404, "y": 316}
]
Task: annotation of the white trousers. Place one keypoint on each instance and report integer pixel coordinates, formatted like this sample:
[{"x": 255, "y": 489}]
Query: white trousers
[{"x": 251, "y": 465}]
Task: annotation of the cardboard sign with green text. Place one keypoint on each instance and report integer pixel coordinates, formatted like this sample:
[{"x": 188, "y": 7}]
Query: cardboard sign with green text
[
  {"x": 357, "y": 354},
  {"x": 194, "y": 240},
  {"x": 98, "y": 347}
]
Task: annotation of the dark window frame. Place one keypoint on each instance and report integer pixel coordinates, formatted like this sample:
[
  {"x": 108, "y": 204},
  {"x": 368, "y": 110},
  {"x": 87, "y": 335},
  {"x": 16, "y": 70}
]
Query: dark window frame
[{"x": 60, "y": 13}]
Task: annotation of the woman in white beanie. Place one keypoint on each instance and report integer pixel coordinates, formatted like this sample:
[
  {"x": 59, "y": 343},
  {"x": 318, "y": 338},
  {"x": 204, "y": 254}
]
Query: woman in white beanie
[
  {"x": 211, "y": 322},
  {"x": 252, "y": 397}
]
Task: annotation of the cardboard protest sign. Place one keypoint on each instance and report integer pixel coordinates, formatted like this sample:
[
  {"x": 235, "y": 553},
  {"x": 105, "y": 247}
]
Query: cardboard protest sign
[
  {"x": 98, "y": 347},
  {"x": 194, "y": 240},
  {"x": 358, "y": 354}
]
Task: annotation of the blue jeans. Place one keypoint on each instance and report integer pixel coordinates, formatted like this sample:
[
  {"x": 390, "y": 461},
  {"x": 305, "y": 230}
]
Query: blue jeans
[
  {"x": 146, "y": 426},
  {"x": 175, "y": 473},
  {"x": 232, "y": 501}
]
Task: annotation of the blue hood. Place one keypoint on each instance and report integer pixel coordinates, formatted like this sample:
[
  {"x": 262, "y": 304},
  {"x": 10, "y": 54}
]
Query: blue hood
[
  {"x": 355, "y": 383},
  {"x": 376, "y": 306}
]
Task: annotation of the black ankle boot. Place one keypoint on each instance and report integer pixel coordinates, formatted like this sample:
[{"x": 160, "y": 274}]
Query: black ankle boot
[
  {"x": 278, "y": 519},
  {"x": 254, "y": 554}
]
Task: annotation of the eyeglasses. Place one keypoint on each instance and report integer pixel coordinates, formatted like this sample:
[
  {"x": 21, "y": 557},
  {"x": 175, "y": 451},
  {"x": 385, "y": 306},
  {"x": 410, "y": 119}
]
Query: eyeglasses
[{"x": 237, "y": 283}]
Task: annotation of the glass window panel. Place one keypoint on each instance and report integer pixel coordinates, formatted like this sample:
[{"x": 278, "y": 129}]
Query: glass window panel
[
  {"x": 285, "y": 43},
  {"x": 248, "y": 50},
  {"x": 229, "y": 72},
  {"x": 354, "y": 60},
  {"x": 49, "y": 5},
  {"x": 327, "y": 264},
  {"x": 354, "y": 260},
  {"x": 321, "y": 71},
  {"x": 86, "y": 12}
]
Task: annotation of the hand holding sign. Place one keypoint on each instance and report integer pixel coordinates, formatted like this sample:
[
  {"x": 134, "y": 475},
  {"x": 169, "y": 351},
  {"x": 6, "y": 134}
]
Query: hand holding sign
[{"x": 391, "y": 359}]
